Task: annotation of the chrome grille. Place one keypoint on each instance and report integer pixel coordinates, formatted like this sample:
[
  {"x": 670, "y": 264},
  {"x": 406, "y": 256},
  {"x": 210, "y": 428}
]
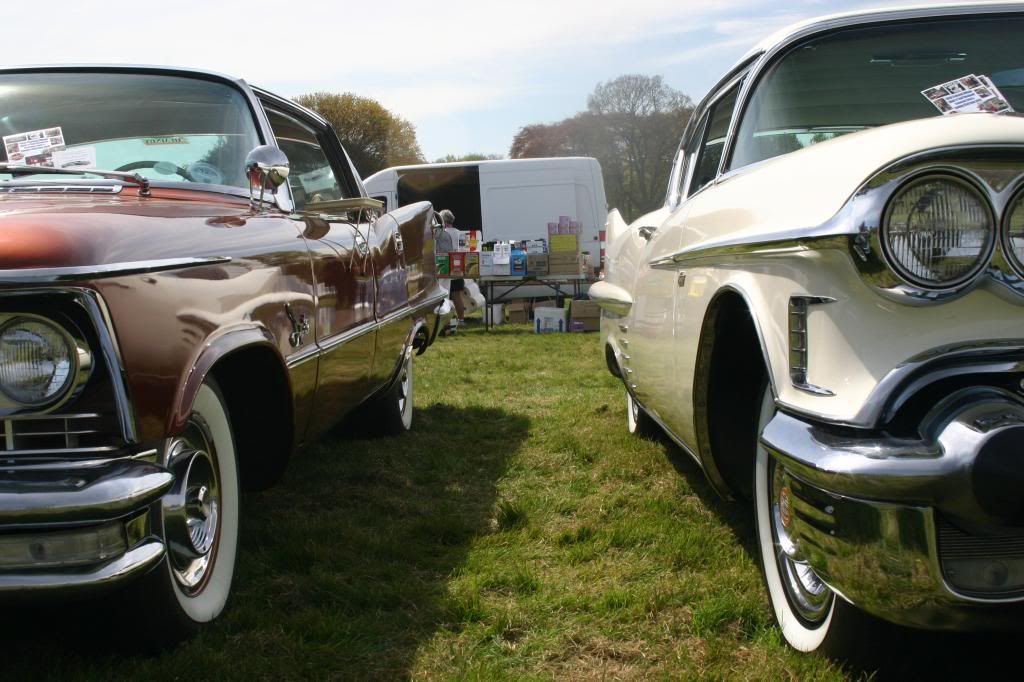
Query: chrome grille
[
  {"x": 58, "y": 436},
  {"x": 956, "y": 544}
]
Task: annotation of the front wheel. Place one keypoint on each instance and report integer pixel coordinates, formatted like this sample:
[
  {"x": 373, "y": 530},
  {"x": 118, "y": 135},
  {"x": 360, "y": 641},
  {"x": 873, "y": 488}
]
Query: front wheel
[
  {"x": 199, "y": 519},
  {"x": 810, "y": 615}
]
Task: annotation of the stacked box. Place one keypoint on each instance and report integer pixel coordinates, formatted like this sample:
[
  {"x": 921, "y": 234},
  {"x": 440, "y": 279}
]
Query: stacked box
[
  {"x": 536, "y": 246},
  {"x": 443, "y": 264},
  {"x": 584, "y": 316},
  {"x": 457, "y": 268},
  {"x": 568, "y": 264},
  {"x": 564, "y": 243},
  {"x": 472, "y": 267},
  {"x": 487, "y": 264},
  {"x": 517, "y": 264},
  {"x": 537, "y": 264}
]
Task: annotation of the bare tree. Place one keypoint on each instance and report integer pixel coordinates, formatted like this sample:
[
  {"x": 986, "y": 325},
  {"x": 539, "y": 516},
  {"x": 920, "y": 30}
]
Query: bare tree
[{"x": 632, "y": 125}]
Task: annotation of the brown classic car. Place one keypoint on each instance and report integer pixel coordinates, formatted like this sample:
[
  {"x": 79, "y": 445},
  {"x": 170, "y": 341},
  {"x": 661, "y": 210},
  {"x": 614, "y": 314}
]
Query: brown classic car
[{"x": 193, "y": 284}]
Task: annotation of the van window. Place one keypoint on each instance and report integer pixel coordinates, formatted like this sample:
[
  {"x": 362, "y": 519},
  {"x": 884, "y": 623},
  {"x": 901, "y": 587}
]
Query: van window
[
  {"x": 456, "y": 188},
  {"x": 382, "y": 199}
]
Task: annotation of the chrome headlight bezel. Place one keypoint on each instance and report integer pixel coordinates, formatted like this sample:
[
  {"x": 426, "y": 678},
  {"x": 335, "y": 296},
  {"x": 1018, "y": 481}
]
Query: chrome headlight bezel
[
  {"x": 80, "y": 355},
  {"x": 984, "y": 256},
  {"x": 1015, "y": 203}
]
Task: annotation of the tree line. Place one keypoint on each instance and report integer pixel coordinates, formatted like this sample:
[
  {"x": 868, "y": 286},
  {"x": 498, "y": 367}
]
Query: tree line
[{"x": 631, "y": 125}]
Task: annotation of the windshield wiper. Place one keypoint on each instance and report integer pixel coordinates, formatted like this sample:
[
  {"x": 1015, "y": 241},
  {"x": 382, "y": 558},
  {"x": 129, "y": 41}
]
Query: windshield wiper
[{"x": 133, "y": 178}]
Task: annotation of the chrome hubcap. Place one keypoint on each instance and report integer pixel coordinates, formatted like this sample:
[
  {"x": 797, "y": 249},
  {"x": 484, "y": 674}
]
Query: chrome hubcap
[
  {"x": 191, "y": 509},
  {"x": 807, "y": 594}
]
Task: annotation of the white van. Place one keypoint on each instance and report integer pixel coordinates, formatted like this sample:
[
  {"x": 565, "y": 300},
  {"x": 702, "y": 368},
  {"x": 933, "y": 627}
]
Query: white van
[{"x": 508, "y": 200}]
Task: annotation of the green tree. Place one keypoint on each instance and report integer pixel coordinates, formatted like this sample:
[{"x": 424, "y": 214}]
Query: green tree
[
  {"x": 632, "y": 126},
  {"x": 374, "y": 137}
]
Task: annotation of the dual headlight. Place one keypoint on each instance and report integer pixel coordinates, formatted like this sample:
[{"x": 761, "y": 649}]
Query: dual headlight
[
  {"x": 39, "y": 361},
  {"x": 939, "y": 232}
]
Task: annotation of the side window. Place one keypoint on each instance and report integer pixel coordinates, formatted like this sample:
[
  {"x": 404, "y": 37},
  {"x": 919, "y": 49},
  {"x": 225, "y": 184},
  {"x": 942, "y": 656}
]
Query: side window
[
  {"x": 382, "y": 198},
  {"x": 312, "y": 177},
  {"x": 713, "y": 142}
]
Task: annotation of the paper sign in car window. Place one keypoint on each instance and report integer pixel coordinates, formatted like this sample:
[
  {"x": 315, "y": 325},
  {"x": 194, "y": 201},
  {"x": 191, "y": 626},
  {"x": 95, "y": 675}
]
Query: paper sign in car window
[
  {"x": 966, "y": 95},
  {"x": 34, "y": 147},
  {"x": 79, "y": 157}
]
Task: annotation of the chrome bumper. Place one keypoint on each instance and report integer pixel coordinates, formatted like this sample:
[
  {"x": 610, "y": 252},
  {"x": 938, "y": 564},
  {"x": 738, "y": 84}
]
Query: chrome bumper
[
  {"x": 87, "y": 524},
  {"x": 925, "y": 532}
]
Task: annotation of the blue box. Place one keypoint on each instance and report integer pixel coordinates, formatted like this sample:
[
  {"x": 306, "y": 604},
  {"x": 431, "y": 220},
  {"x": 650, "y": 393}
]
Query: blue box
[{"x": 518, "y": 264}]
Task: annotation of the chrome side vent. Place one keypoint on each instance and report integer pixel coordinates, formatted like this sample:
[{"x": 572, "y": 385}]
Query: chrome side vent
[
  {"x": 62, "y": 189},
  {"x": 59, "y": 435},
  {"x": 798, "y": 357}
]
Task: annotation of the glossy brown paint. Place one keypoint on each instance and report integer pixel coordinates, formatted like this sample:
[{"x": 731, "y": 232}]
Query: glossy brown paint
[{"x": 173, "y": 326}]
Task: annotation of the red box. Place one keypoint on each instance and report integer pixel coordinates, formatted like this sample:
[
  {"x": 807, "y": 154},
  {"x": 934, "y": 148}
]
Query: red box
[{"x": 458, "y": 263}]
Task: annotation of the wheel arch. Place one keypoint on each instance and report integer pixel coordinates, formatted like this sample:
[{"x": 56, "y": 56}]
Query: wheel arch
[
  {"x": 254, "y": 381},
  {"x": 732, "y": 366}
]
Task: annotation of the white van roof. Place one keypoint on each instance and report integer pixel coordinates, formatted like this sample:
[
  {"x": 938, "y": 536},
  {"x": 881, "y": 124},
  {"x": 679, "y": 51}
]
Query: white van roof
[{"x": 520, "y": 164}]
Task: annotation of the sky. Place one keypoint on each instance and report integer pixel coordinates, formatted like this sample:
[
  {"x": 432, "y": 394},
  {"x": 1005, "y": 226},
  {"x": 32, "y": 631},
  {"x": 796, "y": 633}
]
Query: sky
[{"x": 467, "y": 73}]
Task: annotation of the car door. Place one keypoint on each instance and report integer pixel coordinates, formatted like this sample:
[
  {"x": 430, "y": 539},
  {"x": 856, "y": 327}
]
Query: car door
[
  {"x": 658, "y": 330},
  {"x": 345, "y": 325}
]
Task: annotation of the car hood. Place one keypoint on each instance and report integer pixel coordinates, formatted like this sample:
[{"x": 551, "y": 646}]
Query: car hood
[
  {"x": 804, "y": 189},
  {"x": 61, "y": 230}
]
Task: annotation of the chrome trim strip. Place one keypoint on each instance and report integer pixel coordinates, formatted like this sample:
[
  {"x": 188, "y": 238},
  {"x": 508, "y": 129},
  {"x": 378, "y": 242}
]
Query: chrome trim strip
[
  {"x": 80, "y": 272},
  {"x": 99, "y": 315},
  {"x": 329, "y": 344},
  {"x": 133, "y": 562}
]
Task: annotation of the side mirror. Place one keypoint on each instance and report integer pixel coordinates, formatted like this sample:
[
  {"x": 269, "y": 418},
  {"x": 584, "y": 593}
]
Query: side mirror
[{"x": 263, "y": 165}]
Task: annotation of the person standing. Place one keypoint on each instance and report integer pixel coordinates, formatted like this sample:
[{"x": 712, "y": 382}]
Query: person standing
[{"x": 446, "y": 241}]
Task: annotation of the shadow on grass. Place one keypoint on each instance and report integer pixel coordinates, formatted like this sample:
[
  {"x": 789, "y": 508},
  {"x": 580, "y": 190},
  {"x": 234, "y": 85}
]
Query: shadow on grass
[
  {"x": 904, "y": 653},
  {"x": 343, "y": 567}
]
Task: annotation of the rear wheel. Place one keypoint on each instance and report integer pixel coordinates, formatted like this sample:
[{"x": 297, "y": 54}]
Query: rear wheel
[
  {"x": 199, "y": 519},
  {"x": 810, "y": 615},
  {"x": 394, "y": 409}
]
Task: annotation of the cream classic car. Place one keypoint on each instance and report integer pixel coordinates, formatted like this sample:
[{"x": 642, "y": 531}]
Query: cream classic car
[{"x": 828, "y": 315}]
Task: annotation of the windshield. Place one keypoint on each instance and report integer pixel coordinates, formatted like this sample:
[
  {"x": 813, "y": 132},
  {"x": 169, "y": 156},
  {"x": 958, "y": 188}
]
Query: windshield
[
  {"x": 859, "y": 78},
  {"x": 166, "y": 128}
]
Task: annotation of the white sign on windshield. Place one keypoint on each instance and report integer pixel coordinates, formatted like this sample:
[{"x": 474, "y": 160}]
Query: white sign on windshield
[
  {"x": 34, "y": 148},
  {"x": 966, "y": 95}
]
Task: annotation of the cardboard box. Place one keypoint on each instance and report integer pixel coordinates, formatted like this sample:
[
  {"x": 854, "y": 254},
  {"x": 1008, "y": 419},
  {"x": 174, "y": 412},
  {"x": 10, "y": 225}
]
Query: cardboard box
[
  {"x": 584, "y": 316},
  {"x": 486, "y": 263},
  {"x": 502, "y": 253},
  {"x": 564, "y": 264},
  {"x": 536, "y": 246},
  {"x": 549, "y": 320},
  {"x": 443, "y": 263},
  {"x": 458, "y": 263},
  {"x": 518, "y": 264},
  {"x": 537, "y": 264},
  {"x": 472, "y": 266},
  {"x": 564, "y": 243},
  {"x": 501, "y": 269},
  {"x": 517, "y": 312}
]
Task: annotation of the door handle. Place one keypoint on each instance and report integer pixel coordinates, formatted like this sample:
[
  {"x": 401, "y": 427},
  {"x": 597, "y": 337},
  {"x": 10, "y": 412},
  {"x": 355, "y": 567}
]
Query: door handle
[
  {"x": 647, "y": 231},
  {"x": 399, "y": 243}
]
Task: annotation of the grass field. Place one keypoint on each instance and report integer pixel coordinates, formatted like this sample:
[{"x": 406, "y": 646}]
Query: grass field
[{"x": 517, "y": 533}]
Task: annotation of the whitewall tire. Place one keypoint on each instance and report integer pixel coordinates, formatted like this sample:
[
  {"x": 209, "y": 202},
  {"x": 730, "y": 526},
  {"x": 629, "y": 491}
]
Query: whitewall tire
[
  {"x": 638, "y": 422},
  {"x": 199, "y": 520},
  {"x": 811, "y": 617},
  {"x": 394, "y": 409}
]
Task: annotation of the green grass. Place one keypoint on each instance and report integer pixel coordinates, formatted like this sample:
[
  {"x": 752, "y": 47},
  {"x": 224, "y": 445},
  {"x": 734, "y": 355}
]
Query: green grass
[{"x": 517, "y": 533}]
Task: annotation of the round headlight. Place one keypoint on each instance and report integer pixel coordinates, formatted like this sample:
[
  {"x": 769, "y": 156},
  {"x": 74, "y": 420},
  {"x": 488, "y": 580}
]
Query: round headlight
[
  {"x": 37, "y": 361},
  {"x": 938, "y": 232},
  {"x": 1015, "y": 232}
]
